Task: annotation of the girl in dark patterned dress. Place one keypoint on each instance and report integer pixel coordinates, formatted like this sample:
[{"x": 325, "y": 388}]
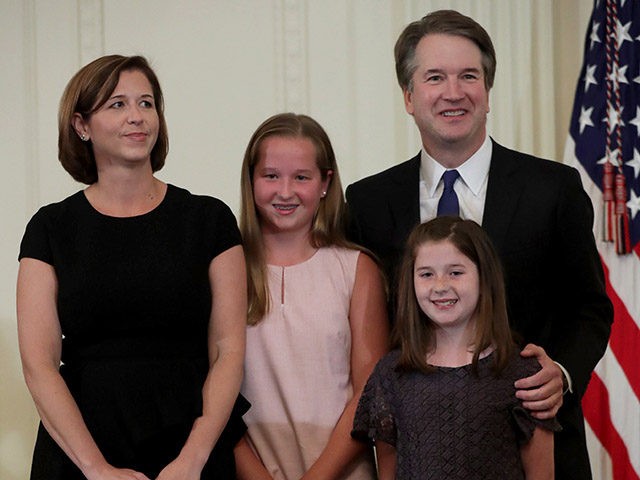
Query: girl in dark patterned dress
[{"x": 442, "y": 404}]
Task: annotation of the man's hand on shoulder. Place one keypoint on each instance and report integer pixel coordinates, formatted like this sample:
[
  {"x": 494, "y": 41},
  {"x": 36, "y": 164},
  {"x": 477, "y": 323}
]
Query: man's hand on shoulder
[{"x": 541, "y": 393}]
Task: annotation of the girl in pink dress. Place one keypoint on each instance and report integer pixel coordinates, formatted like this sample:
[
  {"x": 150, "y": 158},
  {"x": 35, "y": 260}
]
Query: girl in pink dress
[{"x": 317, "y": 311}]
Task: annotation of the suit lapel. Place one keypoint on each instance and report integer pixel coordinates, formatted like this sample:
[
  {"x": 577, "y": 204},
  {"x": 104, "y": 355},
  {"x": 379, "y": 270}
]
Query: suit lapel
[
  {"x": 503, "y": 191},
  {"x": 404, "y": 198}
]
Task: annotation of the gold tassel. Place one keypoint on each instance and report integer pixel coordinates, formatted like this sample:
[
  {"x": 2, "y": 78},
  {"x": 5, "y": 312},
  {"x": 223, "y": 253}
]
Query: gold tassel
[
  {"x": 623, "y": 238},
  {"x": 608, "y": 201}
]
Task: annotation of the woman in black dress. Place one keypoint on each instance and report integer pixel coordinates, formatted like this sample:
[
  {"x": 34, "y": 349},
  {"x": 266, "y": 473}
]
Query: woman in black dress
[{"x": 131, "y": 299}]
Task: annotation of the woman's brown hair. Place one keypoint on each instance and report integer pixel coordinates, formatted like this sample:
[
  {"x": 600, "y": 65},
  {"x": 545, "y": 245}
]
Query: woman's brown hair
[{"x": 85, "y": 93}]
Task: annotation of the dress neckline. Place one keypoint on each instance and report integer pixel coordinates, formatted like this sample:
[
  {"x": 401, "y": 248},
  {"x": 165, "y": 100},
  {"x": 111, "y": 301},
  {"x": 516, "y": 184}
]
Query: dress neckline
[
  {"x": 303, "y": 262},
  {"x": 98, "y": 213},
  {"x": 481, "y": 361}
]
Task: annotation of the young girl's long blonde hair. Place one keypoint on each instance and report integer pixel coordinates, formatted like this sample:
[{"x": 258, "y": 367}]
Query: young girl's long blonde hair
[{"x": 327, "y": 227}]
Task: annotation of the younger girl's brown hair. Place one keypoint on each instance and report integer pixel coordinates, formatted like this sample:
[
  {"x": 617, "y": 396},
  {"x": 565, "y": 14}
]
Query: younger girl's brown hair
[{"x": 413, "y": 331}]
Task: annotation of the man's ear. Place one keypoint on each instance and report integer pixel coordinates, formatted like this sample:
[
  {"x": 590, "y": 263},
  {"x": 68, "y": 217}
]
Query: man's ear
[{"x": 407, "y": 94}]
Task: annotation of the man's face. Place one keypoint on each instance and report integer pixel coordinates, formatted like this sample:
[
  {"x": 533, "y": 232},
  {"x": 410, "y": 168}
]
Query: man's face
[{"x": 448, "y": 98}]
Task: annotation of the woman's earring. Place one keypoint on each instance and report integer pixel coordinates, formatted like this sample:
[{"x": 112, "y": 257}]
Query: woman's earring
[
  {"x": 324, "y": 194},
  {"x": 83, "y": 137}
]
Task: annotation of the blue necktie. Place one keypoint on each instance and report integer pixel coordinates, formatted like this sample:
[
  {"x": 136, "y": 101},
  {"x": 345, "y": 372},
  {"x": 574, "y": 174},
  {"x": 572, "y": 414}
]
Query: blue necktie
[{"x": 448, "y": 204}]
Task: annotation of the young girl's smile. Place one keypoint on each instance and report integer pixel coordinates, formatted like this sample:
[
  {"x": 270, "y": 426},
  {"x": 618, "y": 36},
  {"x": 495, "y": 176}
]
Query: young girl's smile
[
  {"x": 446, "y": 284},
  {"x": 287, "y": 184}
]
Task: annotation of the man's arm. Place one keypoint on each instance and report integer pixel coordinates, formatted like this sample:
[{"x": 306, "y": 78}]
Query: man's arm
[
  {"x": 581, "y": 340},
  {"x": 578, "y": 339}
]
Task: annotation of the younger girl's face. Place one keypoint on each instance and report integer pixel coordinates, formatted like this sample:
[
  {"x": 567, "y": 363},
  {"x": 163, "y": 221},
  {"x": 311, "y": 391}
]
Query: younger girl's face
[
  {"x": 446, "y": 284},
  {"x": 287, "y": 184}
]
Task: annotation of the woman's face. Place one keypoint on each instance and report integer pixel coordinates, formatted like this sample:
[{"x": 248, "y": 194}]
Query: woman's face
[
  {"x": 287, "y": 185},
  {"x": 124, "y": 130}
]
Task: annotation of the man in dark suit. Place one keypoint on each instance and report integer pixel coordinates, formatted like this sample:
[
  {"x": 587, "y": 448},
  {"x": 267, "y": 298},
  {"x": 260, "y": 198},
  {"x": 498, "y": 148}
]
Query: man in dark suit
[{"x": 535, "y": 211}]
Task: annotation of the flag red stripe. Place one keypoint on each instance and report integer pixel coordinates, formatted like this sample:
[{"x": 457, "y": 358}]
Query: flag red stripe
[
  {"x": 625, "y": 338},
  {"x": 595, "y": 404}
]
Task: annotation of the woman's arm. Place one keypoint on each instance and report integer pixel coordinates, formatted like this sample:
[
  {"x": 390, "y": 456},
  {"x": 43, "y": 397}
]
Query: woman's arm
[
  {"x": 248, "y": 465},
  {"x": 386, "y": 460},
  {"x": 226, "y": 355},
  {"x": 369, "y": 342},
  {"x": 40, "y": 341},
  {"x": 537, "y": 455}
]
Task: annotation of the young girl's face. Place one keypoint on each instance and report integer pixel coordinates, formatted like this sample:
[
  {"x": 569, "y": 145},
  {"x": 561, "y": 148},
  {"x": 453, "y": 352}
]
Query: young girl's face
[
  {"x": 287, "y": 184},
  {"x": 446, "y": 284}
]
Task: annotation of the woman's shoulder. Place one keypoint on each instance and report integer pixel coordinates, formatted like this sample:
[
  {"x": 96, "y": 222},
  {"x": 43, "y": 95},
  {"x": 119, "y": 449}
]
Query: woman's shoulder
[
  {"x": 200, "y": 206},
  {"x": 203, "y": 215},
  {"x": 53, "y": 211},
  {"x": 51, "y": 221},
  {"x": 182, "y": 195}
]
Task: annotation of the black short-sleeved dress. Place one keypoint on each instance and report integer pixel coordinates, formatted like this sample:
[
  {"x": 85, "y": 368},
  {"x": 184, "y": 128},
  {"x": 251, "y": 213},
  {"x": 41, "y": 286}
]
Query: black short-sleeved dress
[
  {"x": 449, "y": 424},
  {"x": 134, "y": 303}
]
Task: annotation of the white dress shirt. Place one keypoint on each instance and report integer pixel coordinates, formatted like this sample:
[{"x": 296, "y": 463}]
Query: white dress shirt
[{"x": 471, "y": 186}]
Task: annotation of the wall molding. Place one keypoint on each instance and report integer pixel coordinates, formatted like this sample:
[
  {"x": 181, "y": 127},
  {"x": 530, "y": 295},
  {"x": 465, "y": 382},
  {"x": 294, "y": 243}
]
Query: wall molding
[
  {"x": 90, "y": 30},
  {"x": 293, "y": 55},
  {"x": 30, "y": 75}
]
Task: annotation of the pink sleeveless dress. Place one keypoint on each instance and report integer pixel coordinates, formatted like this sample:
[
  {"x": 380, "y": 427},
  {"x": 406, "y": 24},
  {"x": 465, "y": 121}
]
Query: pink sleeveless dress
[{"x": 297, "y": 364}]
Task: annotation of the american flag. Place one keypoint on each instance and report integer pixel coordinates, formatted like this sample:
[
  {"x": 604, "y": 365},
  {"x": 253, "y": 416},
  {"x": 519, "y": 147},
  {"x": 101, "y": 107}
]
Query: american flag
[{"x": 604, "y": 145}]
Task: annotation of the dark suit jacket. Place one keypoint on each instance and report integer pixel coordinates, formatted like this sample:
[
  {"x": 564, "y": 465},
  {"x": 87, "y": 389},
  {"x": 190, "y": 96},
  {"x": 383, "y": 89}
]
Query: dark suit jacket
[{"x": 540, "y": 220}]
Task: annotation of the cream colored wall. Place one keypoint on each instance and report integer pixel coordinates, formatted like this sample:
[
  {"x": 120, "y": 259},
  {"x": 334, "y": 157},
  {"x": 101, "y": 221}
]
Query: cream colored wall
[{"x": 225, "y": 65}]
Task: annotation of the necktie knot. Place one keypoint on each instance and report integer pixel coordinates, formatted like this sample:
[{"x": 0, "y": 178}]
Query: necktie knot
[
  {"x": 448, "y": 204},
  {"x": 449, "y": 178}
]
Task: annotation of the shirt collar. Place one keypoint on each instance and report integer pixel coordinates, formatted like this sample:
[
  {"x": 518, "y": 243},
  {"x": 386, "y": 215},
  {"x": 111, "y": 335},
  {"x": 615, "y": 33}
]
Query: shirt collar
[{"x": 473, "y": 171}]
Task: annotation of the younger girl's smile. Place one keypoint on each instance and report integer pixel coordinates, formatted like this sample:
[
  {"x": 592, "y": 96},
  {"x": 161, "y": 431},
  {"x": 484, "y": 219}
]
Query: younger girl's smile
[{"x": 446, "y": 284}]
